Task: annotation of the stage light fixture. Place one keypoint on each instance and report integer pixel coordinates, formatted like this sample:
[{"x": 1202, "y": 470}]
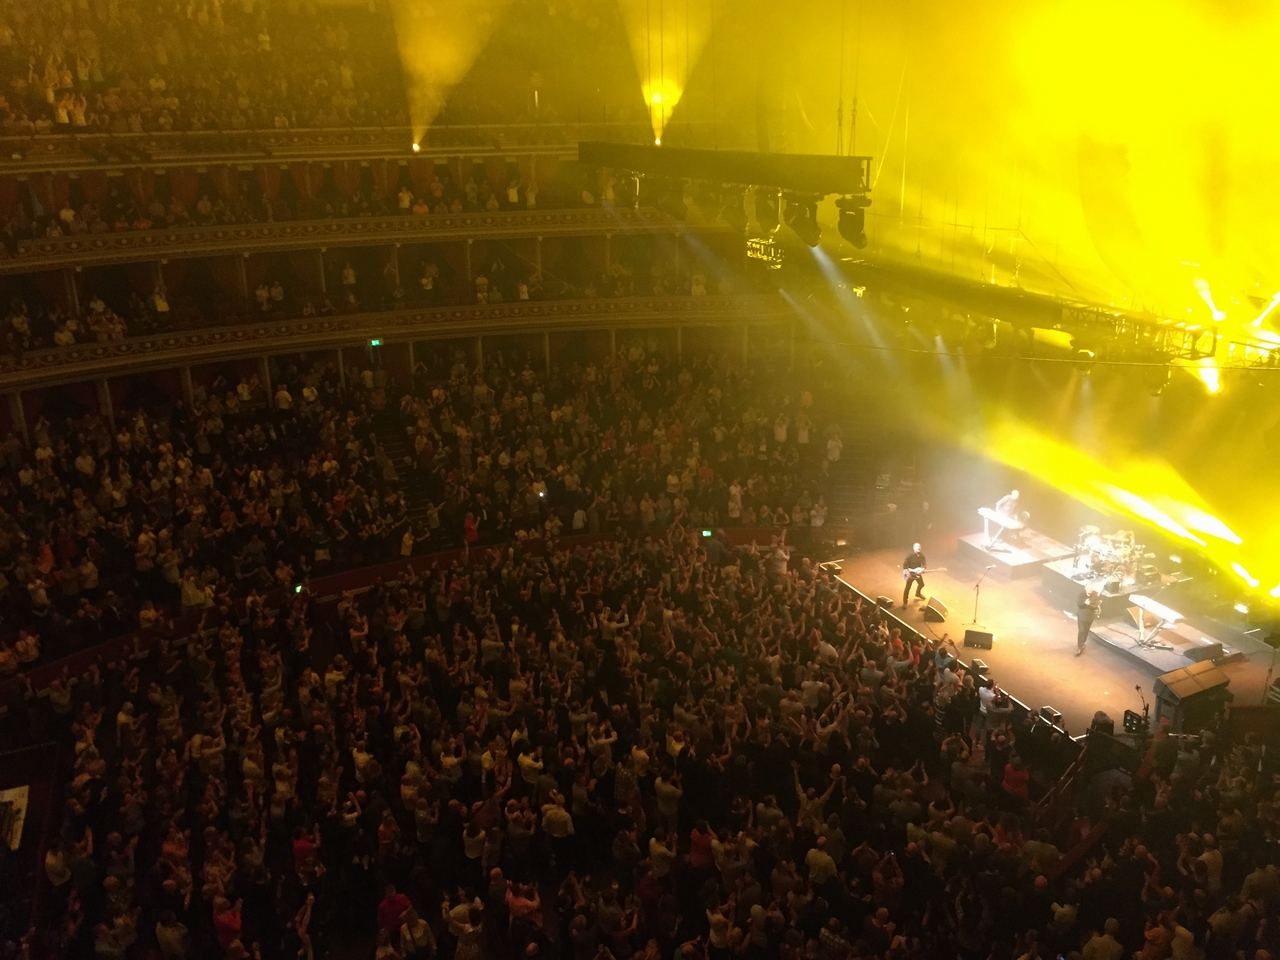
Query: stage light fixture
[
  {"x": 1157, "y": 378},
  {"x": 626, "y": 192},
  {"x": 1084, "y": 359},
  {"x": 416, "y": 148},
  {"x": 853, "y": 219},
  {"x": 767, "y": 209},
  {"x": 801, "y": 214}
]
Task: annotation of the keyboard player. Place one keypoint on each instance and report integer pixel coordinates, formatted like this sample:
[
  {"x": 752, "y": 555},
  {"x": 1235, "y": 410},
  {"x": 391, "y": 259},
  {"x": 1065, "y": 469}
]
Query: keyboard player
[{"x": 1007, "y": 507}]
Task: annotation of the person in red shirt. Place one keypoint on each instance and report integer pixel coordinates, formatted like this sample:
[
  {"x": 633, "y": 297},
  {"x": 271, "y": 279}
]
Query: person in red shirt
[
  {"x": 392, "y": 908},
  {"x": 304, "y": 845},
  {"x": 226, "y": 921},
  {"x": 701, "y": 856},
  {"x": 1015, "y": 778}
]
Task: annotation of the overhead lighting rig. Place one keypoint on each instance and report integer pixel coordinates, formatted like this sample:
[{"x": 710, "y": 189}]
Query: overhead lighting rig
[
  {"x": 788, "y": 187},
  {"x": 1106, "y": 333}
]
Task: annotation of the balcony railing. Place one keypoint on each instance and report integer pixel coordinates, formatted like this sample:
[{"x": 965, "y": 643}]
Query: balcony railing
[
  {"x": 219, "y": 240},
  {"x": 38, "y": 153},
  {"x": 39, "y": 368}
]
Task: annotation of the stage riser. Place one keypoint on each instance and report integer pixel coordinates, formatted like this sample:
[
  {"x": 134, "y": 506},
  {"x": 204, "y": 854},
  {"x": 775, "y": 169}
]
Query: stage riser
[
  {"x": 1065, "y": 592},
  {"x": 1118, "y": 635},
  {"x": 1017, "y": 564}
]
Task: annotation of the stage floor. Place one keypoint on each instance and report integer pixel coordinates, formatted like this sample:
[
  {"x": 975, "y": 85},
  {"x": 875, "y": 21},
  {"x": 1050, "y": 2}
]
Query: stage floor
[{"x": 1034, "y": 652}]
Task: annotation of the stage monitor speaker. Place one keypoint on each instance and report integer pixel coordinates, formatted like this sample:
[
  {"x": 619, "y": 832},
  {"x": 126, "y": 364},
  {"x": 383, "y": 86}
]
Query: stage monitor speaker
[
  {"x": 884, "y": 603},
  {"x": 1050, "y": 715},
  {"x": 1204, "y": 651},
  {"x": 935, "y": 610},
  {"x": 979, "y": 638},
  {"x": 978, "y": 668}
]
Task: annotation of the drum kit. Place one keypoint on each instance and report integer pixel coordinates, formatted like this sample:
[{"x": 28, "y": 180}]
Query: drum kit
[{"x": 1116, "y": 558}]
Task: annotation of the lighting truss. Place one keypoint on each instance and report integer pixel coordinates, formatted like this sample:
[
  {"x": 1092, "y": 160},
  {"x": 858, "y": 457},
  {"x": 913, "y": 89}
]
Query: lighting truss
[
  {"x": 1128, "y": 334},
  {"x": 1254, "y": 354}
]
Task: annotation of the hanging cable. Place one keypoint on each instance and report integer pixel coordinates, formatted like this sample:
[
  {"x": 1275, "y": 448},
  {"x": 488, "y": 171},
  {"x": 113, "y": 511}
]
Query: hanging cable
[{"x": 840, "y": 97}]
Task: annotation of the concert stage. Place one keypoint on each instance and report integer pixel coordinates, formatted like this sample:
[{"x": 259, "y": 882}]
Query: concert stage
[
  {"x": 1022, "y": 557},
  {"x": 1035, "y": 638}
]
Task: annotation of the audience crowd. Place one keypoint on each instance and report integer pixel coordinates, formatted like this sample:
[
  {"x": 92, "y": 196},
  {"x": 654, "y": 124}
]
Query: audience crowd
[
  {"x": 124, "y": 66},
  {"x": 380, "y": 283},
  {"x": 252, "y": 489},
  {"x": 244, "y": 201},
  {"x": 652, "y": 745}
]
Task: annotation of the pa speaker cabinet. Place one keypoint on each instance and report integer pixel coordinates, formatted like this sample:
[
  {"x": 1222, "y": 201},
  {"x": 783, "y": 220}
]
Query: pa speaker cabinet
[
  {"x": 935, "y": 610},
  {"x": 979, "y": 638}
]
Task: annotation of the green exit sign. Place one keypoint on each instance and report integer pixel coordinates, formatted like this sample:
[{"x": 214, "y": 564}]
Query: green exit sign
[{"x": 375, "y": 343}]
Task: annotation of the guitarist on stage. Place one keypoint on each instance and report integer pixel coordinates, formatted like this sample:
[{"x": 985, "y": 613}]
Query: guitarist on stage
[
  {"x": 1087, "y": 609},
  {"x": 912, "y": 569}
]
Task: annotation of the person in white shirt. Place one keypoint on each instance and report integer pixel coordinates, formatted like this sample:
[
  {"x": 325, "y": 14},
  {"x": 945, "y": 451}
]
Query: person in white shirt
[{"x": 986, "y": 694}]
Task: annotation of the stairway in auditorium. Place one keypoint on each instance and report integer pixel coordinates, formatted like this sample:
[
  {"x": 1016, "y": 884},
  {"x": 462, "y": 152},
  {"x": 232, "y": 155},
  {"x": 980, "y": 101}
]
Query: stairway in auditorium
[
  {"x": 394, "y": 441},
  {"x": 851, "y": 484}
]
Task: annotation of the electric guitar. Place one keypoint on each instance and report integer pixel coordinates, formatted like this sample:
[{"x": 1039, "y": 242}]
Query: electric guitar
[{"x": 909, "y": 572}]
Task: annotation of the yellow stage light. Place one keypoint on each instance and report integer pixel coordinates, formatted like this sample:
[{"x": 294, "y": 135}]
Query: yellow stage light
[
  {"x": 1244, "y": 574},
  {"x": 438, "y": 44},
  {"x": 1198, "y": 520},
  {"x": 667, "y": 40},
  {"x": 1209, "y": 374},
  {"x": 1275, "y": 300},
  {"x": 1145, "y": 510},
  {"x": 1202, "y": 287},
  {"x": 1001, "y": 152}
]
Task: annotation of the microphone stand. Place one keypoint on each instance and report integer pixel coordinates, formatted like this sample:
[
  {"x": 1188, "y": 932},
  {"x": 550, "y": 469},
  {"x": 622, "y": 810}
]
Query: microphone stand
[{"x": 977, "y": 593}]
